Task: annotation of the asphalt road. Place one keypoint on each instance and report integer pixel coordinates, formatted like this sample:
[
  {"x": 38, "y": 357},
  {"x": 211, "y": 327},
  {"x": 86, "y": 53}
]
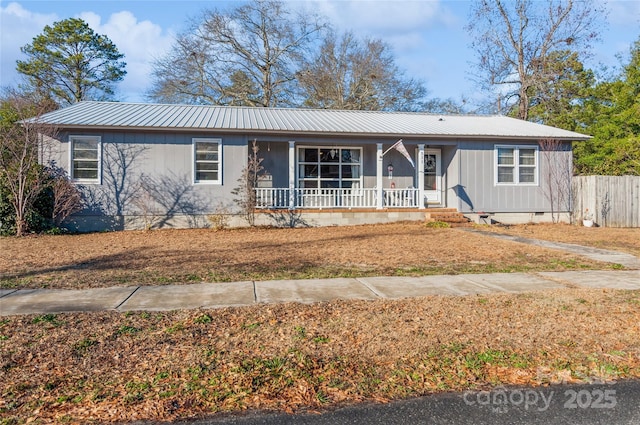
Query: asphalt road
[{"x": 600, "y": 403}]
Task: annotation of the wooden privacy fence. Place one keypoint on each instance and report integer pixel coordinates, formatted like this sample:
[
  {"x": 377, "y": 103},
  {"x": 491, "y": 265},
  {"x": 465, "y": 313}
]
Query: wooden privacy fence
[{"x": 612, "y": 201}]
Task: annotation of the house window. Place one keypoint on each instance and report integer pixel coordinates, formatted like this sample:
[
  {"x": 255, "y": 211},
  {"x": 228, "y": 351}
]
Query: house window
[
  {"x": 85, "y": 158},
  {"x": 516, "y": 165},
  {"x": 207, "y": 154},
  {"x": 329, "y": 167}
]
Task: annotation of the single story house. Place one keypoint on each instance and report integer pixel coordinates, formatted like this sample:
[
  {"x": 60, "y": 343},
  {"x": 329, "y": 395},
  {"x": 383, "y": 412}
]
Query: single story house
[{"x": 177, "y": 165}]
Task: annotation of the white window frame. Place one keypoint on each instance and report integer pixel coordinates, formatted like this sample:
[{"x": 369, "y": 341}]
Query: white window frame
[
  {"x": 516, "y": 165},
  {"x": 72, "y": 141},
  {"x": 301, "y": 179},
  {"x": 194, "y": 161}
]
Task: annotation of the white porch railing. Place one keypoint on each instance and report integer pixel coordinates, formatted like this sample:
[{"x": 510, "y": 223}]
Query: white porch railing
[{"x": 335, "y": 198}]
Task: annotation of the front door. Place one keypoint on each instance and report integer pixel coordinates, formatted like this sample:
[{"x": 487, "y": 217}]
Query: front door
[{"x": 432, "y": 176}]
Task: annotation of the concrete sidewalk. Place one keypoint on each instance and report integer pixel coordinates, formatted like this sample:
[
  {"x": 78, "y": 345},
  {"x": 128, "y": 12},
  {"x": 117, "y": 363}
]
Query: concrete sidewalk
[{"x": 216, "y": 295}]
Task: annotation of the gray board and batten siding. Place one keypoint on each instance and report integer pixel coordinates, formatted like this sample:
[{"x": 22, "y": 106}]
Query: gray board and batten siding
[
  {"x": 160, "y": 137},
  {"x": 475, "y": 190}
]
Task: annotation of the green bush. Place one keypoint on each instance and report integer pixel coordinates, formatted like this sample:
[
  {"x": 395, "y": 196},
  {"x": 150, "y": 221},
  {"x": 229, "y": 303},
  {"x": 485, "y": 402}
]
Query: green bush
[{"x": 38, "y": 218}]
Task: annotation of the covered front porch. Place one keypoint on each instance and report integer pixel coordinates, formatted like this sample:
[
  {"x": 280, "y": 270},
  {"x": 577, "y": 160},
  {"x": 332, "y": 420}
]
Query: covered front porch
[{"x": 345, "y": 176}]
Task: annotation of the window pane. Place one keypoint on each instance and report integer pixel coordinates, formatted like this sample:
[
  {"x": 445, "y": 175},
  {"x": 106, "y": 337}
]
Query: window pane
[
  {"x": 350, "y": 171},
  {"x": 208, "y": 166},
  {"x": 206, "y": 147},
  {"x": 85, "y": 144},
  {"x": 309, "y": 155},
  {"x": 85, "y": 158},
  {"x": 527, "y": 175},
  {"x": 310, "y": 170},
  {"x": 351, "y": 155},
  {"x": 430, "y": 163},
  {"x": 85, "y": 174},
  {"x": 527, "y": 157},
  {"x": 505, "y": 174},
  {"x": 207, "y": 175},
  {"x": 206, "y": 156},
  {"x": 505, "y": 156},
  {"x": 85, "y": 154},
  {"x": 430, "y": 182},
  {"x": 207, "y": 160},
  {"x": 330, "y": 184},
  {"x": 329, "y": 171},
  {"x": 329, "y": 155}
]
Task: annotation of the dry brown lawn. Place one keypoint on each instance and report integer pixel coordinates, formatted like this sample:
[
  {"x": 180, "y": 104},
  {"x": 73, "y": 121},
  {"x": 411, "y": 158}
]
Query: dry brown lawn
[
  {"x": 120, "y": 367},
  {"x": 110, "y": 367},
  {"x": 201, "y": 255},
  {"x": 618, "y": 239}
]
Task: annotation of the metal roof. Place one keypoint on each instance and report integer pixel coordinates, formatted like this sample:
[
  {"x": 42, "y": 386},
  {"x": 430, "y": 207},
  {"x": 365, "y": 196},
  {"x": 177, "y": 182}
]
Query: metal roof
[{"x": 140, "y": 116}]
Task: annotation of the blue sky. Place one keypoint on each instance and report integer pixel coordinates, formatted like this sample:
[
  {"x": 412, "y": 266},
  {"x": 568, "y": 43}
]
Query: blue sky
[{"x": 427, "y": 36}]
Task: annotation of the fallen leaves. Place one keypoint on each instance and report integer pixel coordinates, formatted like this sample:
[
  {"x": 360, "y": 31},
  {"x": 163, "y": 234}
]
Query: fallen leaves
[
  {"x": 200, "y": 255},
  {"x": 289, "y": 357}
]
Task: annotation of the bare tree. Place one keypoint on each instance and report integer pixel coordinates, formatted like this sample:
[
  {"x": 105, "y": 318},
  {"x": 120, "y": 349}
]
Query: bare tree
[
  {"x": 246, "y": 191},
  {"x": 348, "y": 73},
  {"x": 246, "y": 56},
  {"x": 514, "y": 41},
  {"x": 21, "y": 142},
  {"x": 67, "y": 199},
  {"x": 557, "y": 173}
]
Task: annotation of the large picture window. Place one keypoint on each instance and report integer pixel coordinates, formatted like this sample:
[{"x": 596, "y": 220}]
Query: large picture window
[
  {"x": 329, "y": 167},
  {"x": 85, "y": 158},
  {"x": 516, "y": 165},
  {"x": 207, "y": 160}
]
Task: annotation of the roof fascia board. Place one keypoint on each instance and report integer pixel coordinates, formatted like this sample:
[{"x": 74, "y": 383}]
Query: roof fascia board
[{"x": 291, "y": 133}]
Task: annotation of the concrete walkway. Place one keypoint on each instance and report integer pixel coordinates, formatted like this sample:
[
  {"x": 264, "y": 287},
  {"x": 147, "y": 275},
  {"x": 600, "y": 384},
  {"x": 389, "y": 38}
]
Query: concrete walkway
[
  {"x": 608, "y": 256},
  {"x": 216, "y": 295}
]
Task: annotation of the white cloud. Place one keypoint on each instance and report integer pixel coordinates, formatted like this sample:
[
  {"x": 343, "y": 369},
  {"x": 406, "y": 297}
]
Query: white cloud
[
  {"x": 140, "y": 41},
  {"x": 381, "y": 17},
  {"x": 18, "y": 27}
]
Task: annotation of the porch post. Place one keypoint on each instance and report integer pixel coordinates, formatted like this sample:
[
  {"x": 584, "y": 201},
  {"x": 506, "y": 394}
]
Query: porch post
[
  {"x": 379, "y": 176},
  {"x": 421, "y": 176},
  {"x": 292, "y": 175}
]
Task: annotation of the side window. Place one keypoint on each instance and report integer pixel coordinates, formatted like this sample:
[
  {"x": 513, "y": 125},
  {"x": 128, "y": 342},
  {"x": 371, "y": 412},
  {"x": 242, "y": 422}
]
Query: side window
[
  {"x": 505, "y": 165},
  {"x": 516, "y": 165},
  {"x": 207, "y": 161},
  {"x": 85, "y": 163}
]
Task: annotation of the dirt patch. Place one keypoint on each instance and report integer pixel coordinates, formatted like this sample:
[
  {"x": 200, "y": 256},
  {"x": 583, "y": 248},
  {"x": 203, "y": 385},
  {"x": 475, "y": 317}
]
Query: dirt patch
[
  {"x": 202, "y": 255},
  {"x": 109, "y": 366}
]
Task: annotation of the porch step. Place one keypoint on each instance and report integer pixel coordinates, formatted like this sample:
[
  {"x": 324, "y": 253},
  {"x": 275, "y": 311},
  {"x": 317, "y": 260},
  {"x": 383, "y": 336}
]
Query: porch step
[{"x": 448, "y": 215}]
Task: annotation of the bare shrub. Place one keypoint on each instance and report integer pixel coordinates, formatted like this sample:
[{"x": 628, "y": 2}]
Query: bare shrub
[{"x": 246, "y": 192}]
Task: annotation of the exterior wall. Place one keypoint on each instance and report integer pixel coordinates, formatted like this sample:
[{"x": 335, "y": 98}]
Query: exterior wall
[
  {"x": 477, "y": 191},
  {"x": 162, "y": 163},
  {"x": 450, "y": 176},
  {"x": 148, "y": 177}
]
